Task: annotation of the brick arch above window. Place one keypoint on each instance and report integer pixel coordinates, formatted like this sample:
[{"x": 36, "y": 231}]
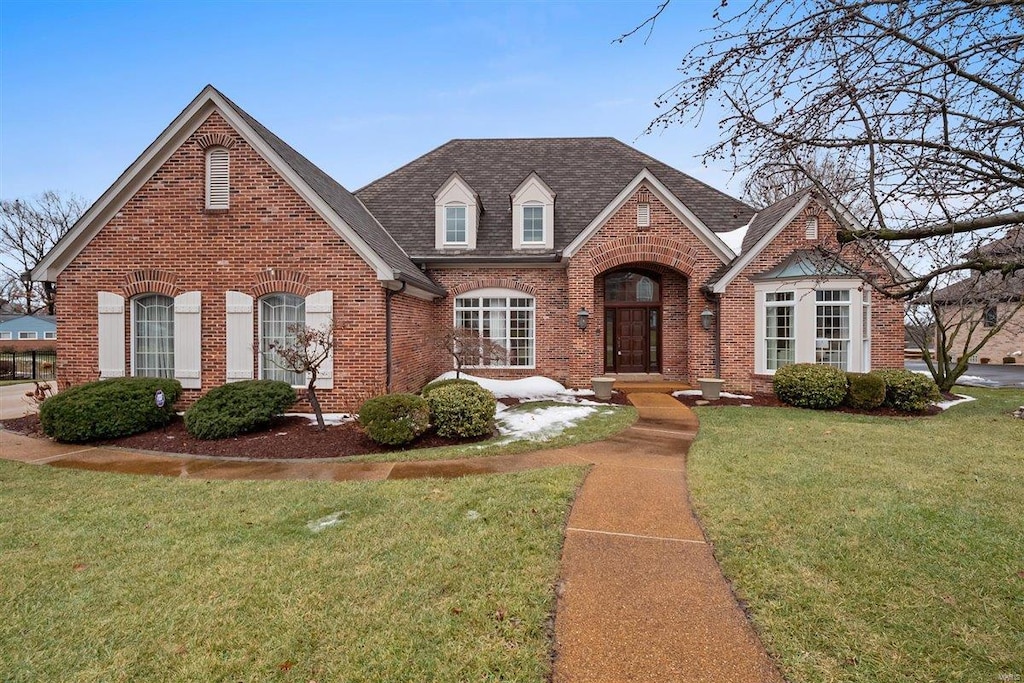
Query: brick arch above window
[
  {"x": 493, "y": 283},
  {"x": 208, "y": 140},
  {"x": 150, "y": 281},
  {"x": 275, "y": 280},
  {"x": 640, "y": 249}
]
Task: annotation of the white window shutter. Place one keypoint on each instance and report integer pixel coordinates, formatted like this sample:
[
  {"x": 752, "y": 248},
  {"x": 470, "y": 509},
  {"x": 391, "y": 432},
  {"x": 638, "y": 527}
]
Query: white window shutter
[
  {"x": 188, "y": 340},
  {"x": 110, "y": 325},
  {"x": 320, "y": 312},
  {"x": 218, "y": 188},
  {"x": 643, "y": 215},
  {"x": 241, "y": 355}
]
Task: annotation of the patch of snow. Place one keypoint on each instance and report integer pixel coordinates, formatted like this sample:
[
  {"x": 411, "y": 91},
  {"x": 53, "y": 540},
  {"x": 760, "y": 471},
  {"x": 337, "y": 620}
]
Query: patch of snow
[
  {"x": 960, "y": 398},
  {"x": 526, "y": 388},
  {"x": 318, "y": 525},
  {"x": 734, "y": 238},
  {"x": 697, "y": 392},
  {"x": 472, "y": 515},
  {"x": 579, "y": 392},
  {"x": 543, "y": 424},
  {"x": 966, "y": 380},
  {"x": 329, "y": 418}
]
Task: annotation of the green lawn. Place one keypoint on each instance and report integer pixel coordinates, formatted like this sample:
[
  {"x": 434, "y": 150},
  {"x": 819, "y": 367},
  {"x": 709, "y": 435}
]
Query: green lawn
[
  {"x": 117, "y": 578},
  {"x": 873, "y": 549},
  {"x": 606, "y": 421}
]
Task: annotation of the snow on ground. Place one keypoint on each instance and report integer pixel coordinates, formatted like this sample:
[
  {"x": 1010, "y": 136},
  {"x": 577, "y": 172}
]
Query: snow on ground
[
  {"x": 542, "y": 424},
  {"x": 329, "y": 418},
  {"x": 528, "y": 388},
  {"x": 697, "y": 392},
  {"x": 960, "y": 398},
  {"x": 966, "y": 380}
]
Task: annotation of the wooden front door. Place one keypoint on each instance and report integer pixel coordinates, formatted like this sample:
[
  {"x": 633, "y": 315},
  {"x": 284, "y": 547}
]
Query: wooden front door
[{"x": 631, "y": 339}]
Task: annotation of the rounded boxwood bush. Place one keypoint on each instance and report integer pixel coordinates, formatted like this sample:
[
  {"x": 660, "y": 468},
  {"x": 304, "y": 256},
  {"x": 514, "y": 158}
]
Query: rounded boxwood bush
[
  {"x": 866, "y": 391},
  {"x": 462, "y": 410},
  {"x": 807, "y": 385},
  {"x": 108, "y": 409},
  {"x": 395, "y": 419},
  {"x": 444, "y": 383},
  {"x": 908, "y": 391},
  {"x": 237, "y": 408}
]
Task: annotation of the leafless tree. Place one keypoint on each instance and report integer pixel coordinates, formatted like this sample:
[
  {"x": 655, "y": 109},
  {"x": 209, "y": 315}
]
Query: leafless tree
[
  {"x": 28, "y": 230},
  {"x": 773, "y": 183},
  {"x": 922, "y": 102},
  {"x": 305, "y": 351},
  {"x": 466, "y": 346}
]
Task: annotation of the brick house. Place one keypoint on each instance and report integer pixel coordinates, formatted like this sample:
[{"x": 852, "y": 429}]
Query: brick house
[{"x": 581, "y": 256}]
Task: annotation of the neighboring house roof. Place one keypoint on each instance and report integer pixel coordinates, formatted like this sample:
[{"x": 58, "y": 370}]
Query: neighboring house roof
[
  {"x": 20, "y": 321},
  {"x": 992, "y": 286},
  {"x": 586, "y": 174},
  {"x": 339, "y": 208}
]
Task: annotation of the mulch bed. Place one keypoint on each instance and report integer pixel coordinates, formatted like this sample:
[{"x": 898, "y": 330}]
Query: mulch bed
[
  {"x": 288, "y": 437},
  {"x": 772, "y": 401}
]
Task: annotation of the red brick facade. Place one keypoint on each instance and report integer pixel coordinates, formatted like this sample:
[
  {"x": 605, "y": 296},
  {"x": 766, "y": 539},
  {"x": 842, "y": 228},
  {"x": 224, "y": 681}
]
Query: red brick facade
[{"x": 163, "y": 240}]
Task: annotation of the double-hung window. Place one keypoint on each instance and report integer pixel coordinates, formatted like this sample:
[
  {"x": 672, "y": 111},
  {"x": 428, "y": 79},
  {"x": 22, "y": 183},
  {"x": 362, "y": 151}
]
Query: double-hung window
[
  {"x": 455, "y": 225},
  {"x": 153, "y": 336},
  {"x": 780, "y": 330},
  {"x": 533, "y": 224},
  {"x": 505, "y": 318},
  {"x": 832, "y": 338}
]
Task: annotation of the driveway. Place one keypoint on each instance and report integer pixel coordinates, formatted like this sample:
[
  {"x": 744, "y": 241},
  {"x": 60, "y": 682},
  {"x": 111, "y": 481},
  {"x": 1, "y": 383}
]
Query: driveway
[
  {"x": 988, "y": 375},
  {"x": 14, "y": 403}
]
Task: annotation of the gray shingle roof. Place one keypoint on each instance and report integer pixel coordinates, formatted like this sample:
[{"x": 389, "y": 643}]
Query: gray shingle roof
[
  {"x": 344, "y": 204},
  {"x": 768, "y": 217},
  {"x": 585, "y": 173}
]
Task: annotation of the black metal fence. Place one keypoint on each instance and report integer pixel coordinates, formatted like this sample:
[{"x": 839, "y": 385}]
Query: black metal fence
[{"x": 28, "y": 365}]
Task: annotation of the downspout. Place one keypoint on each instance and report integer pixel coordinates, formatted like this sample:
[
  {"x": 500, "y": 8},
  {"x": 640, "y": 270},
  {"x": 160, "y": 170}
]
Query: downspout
[{"x": 388, "y": 293}]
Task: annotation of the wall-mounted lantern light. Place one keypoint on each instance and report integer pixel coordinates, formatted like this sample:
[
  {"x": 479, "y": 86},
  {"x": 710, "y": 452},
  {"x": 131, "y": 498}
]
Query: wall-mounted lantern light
[
  {"x": 707, "y": 316},
  {"x": 581, "y": 319}
]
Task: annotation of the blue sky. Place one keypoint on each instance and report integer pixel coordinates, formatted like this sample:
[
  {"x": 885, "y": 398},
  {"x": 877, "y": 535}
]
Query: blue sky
[{"x": 359, "y": 88}]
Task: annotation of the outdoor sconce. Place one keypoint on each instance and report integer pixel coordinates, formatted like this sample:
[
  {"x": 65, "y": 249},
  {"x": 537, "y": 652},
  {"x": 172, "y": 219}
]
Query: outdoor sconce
[
  {"x": 581, "y": 319},
  {"x": 707, "y": 316}
]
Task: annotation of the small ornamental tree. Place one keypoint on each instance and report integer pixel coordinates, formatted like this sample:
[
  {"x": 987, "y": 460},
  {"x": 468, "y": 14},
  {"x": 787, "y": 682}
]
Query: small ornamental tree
[
  {"x": 306, "y": 349},
  {"x": 467, "y": 346}
]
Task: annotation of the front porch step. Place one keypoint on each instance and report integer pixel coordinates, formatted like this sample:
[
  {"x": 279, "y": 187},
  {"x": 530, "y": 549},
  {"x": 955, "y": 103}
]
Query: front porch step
[{"x": 655, "y": 384}]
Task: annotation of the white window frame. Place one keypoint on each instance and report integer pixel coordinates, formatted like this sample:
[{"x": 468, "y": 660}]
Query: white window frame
[
  {"x": 533, "y": 192},
  {"x": 789, "y": 303},
  {"x": 805, "y": 321},
  {"x": 222, "y": 199},
  {"x": 260, "y": 352},
  {"x": 27, "y": 335},
  {"x": 455, "y": 192},
  {"x": 643, "y": 215},
  {"x": 827, "y": 345},
  {"x": 132, "y": 333},
  {"x": 49, "y": 335},
  {"x": 533, "y": 207},
  {"x": 6, "y": 335},
  {"x": 448, "y": 210},
  {"x": 507, "y": 294}
]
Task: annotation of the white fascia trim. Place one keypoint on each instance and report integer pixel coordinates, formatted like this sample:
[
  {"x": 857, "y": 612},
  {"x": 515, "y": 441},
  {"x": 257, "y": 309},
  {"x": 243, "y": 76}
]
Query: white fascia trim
[
  {"x": 412, "y": 290},
  {"x": 136, "y": 175},
  {"x": 687, "y": 217},
  {"x": 748, "y": 256}
]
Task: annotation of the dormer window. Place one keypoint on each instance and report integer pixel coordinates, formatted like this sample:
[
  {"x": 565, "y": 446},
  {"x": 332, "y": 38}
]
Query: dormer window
[
  {"x": 218, "y": 189},
  {"x": 533, "y": 224},
  {"x": 533, "y": 214},
  {"x": 457, "y": 213},
  {"x": 455, "y": 224}
]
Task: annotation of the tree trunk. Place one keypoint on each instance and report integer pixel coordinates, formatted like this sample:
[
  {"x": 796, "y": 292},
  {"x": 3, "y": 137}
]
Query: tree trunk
[{"x": 315, "y": 403}]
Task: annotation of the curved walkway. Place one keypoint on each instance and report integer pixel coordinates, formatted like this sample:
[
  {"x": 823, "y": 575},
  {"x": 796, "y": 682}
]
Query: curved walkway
[{"x": 640, "y": 597}]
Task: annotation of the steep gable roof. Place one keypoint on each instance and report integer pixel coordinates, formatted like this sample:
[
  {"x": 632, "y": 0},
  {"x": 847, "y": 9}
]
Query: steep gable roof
[
  {"x": 586, "y": 174},
  {"x": 342, "y": 210}
]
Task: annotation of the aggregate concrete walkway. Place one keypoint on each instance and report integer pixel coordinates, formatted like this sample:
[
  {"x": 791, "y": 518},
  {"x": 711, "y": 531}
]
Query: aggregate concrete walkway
[{"x": 641, "y": 597}]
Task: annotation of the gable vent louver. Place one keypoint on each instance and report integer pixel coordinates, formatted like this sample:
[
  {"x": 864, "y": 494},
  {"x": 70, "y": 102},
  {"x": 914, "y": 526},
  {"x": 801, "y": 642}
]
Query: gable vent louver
[{"x": 217, "y": 186}]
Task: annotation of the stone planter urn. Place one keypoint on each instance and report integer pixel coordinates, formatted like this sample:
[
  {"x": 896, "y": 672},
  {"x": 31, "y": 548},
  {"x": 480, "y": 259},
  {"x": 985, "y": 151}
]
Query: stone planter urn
[
  {"x": 603, "y": 387},
  {"x": 710, "y": 388}
]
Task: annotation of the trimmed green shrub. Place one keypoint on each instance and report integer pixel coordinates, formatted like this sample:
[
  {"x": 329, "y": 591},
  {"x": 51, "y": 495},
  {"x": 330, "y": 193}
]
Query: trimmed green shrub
[
  {"x": 395, "y": 419},
  {"x": 866, "y": 391},
  {"x": 108, "y": 409},
  {"x": 237, "y": 408},
  {"x": 908, "y": 391},
  {"x": 444, "y": 383},
  {"x": 807, "y": 385},
  {"x": 462, "y": 410}
]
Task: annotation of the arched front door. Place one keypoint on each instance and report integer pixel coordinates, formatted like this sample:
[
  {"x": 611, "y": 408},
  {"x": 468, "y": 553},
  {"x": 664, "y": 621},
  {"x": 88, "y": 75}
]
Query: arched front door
[{"x": 632, "y": 321}]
